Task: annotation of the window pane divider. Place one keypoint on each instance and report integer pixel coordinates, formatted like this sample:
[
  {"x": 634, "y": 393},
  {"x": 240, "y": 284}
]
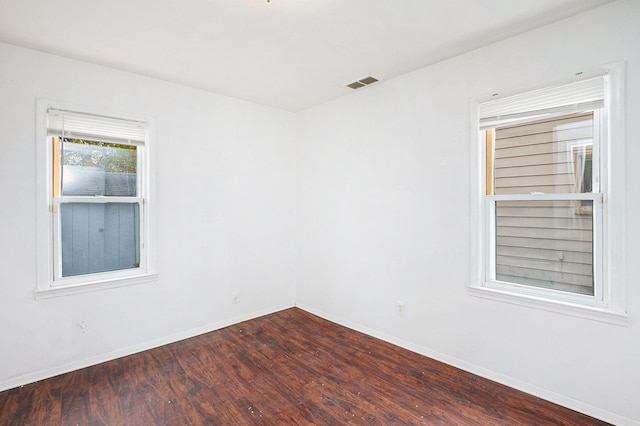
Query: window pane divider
[
  {"x": 546, "y": 197},
  {"x": 97, "y": 200}
]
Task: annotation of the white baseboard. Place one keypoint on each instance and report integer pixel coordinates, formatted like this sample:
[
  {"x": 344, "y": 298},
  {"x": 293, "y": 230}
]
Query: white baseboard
[
  {"x": 130, "y": 350},
  {"x": 542, "y": 393}
]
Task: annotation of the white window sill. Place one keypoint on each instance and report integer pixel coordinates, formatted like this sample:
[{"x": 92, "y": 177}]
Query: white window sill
[
  {"x": 581, "y": 311},
  {"x": 70, "y": 289}
]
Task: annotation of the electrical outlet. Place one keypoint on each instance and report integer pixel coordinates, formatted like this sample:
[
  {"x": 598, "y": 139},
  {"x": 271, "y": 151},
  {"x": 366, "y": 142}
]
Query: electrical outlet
[
  {"x": 400, "y": 308},
  {"x": 235, "y": 300}
]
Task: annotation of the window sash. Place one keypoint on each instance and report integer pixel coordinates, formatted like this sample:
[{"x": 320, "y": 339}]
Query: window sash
[
  {"x": 599, "y": 290},
  {"x": 58, "y": 278},
  {"x": 491, "y": 144},
  {"x": 55, "y": 171}
]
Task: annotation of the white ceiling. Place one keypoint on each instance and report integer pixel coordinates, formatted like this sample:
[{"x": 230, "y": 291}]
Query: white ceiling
[{"x": 289, "y": 54}]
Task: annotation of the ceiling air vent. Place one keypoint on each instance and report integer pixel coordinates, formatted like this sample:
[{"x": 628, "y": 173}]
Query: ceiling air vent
[{"x": 363, "y": 82}]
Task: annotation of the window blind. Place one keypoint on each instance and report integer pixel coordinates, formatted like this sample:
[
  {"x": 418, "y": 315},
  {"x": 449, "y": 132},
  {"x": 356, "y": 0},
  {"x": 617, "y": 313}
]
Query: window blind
[
  {"x": 76, "y": 125},
  {"x": 578, "y": 96}
]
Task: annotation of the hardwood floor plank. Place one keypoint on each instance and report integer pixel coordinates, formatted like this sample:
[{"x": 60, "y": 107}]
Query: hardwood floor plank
[
  {"x": 39, "y": 402},
  {"x": 288, "y": 368}
]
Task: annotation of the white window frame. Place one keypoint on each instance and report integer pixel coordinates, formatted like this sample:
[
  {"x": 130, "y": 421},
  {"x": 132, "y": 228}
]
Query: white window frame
[
  {"x": 608, "y": 304},
  {"x": 49, "y": 282}
]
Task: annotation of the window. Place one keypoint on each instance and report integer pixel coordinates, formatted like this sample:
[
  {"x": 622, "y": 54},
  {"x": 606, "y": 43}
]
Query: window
[
  {"x": 544, "y": 237},
  {"x": 96, "y": 197}
]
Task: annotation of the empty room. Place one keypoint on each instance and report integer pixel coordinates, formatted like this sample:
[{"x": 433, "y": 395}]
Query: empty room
[{"x": 320, "y": 212}]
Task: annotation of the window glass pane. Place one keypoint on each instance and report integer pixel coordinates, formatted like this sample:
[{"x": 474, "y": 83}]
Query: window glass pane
[
  {"x": 545, "y": 244},
  {"x": 98, "y": 237},
  {"x": 96, "y": 168},
  {"x": 548, "y": 156}
]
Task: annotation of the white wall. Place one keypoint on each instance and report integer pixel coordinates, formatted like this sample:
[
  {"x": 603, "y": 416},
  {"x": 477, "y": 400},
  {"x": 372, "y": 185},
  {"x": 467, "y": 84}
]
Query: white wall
[
  {"x": 384, "y": 202},
  {"x": 225, "y": 218},
  {"x": 379, "y": 214}
]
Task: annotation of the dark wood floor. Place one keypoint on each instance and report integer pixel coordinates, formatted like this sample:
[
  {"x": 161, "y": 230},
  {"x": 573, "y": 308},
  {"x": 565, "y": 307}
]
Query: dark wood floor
[{"x": 286, "y": 368}]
